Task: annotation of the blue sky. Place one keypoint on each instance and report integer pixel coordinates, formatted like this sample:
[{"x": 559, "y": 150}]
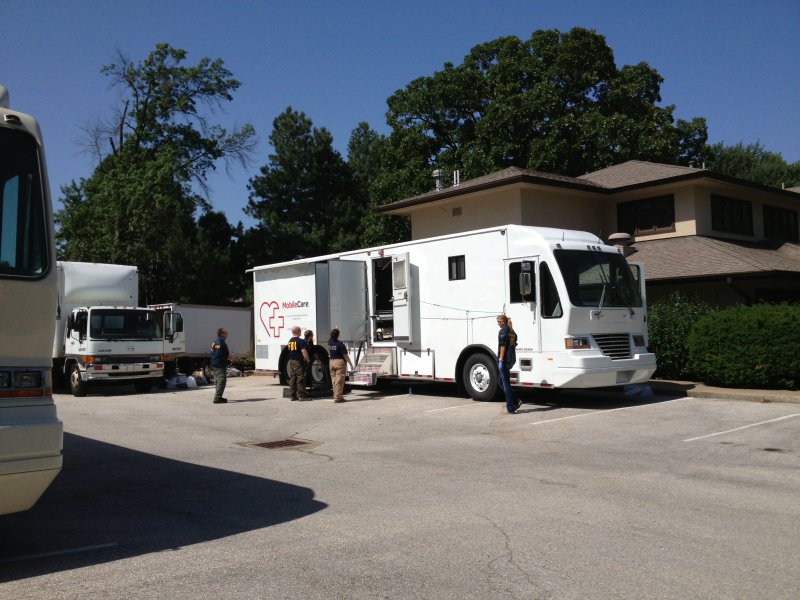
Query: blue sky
[{"x": 735, "y": 62}]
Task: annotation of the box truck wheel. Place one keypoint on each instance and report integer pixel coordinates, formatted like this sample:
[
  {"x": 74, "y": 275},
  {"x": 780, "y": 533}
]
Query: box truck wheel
[
  {"x": 77, "y": 385},
  {"x": 480, "y": 377}
]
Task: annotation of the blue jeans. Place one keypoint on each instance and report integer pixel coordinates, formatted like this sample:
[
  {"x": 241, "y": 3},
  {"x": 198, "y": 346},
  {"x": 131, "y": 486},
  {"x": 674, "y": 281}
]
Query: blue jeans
[{"x": 505, "y": 383}]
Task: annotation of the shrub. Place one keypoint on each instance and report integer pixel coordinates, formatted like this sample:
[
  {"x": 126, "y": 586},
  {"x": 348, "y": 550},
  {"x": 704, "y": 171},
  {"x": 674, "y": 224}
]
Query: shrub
[
  {"x": 243, "y": 362},
  {"x": 748, "y": 346},
  {"x": 669, "y": 322}
]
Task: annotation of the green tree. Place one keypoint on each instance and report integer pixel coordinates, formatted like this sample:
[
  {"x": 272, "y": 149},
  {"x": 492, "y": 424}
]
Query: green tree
[
  {"x": 138, "y": 207},
  {"x": 366, "y": 157},
  {"x": 556, "y": 103},
  {"x": 752, "y": 162},
  {"x": 306, "y": 198}
]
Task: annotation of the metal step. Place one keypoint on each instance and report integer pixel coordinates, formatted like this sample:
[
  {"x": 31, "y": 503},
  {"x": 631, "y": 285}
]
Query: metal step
[{"x": 376, "y": 361}]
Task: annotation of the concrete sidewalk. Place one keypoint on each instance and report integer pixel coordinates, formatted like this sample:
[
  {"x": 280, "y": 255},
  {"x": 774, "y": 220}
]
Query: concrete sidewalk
[{"x": 700, "y": 390}]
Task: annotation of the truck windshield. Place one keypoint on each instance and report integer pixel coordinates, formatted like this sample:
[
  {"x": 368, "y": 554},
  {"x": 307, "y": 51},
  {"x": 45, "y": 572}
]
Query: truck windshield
[
  {"x": 592, "y": 275},
  {"x": 121, "y": 323},
  {"x": 23, "y": 220}
]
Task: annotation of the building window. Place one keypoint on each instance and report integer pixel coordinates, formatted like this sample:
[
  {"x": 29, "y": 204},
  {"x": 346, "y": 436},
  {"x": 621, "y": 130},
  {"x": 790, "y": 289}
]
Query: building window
[
  {"x": 731, "y": 215},
  {"x": 457, "y": 267},
  {"x": 649, "y": 215},
  {"x": 780, "y": 223}
]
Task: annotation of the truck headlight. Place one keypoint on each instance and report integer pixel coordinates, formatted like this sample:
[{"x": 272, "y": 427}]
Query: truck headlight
[
  {"x": 638, "y": 341},
  {"x": 577, "y": 343},
  {"x": 28, "y": 379}
]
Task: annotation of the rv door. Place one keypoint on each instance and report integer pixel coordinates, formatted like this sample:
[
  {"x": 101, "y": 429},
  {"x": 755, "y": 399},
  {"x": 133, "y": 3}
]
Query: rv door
[
  {"x": 348, "y": 300},
  {"x": 401, "y": 298}
]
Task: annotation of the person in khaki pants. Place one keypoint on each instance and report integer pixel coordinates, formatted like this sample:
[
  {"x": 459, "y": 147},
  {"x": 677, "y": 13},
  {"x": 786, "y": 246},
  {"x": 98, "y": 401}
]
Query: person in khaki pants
[{"x": 338, "y": 355}]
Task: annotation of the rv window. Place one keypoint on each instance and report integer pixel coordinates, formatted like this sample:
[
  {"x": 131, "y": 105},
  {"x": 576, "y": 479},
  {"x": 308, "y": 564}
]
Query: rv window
[
  {"x": 515, "y": 271},
  {"x": 457, "y": 267},
  {"x": 551, "y": 303},
  {"x": 399, "y": 274}
]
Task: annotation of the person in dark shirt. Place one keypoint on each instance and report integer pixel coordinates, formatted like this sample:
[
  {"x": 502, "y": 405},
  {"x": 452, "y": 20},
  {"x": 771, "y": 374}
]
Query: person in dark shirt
[
  {"x": 308, "y": 336},
  {"x": 338, "y": 355},
  {"x": 506, "y": 352},
  {"x": 219, "y": 362},
  {"x": 298, "y": 357}
]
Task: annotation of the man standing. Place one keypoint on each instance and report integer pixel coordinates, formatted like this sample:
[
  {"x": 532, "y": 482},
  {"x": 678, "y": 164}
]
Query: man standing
[
  {"x": 338, "y": 355},
  {"x": 298, "y": 356},
  {"x": 219, "y": 362}
]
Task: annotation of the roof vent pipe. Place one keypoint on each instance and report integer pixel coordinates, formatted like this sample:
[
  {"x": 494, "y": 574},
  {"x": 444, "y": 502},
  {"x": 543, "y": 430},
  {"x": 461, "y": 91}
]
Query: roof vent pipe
[
  {"x": 622, "y": 241},
  {"x": 438, "y": 177}
]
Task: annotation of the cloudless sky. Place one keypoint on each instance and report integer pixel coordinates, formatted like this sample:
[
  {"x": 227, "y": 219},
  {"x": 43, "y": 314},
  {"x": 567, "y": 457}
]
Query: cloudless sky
[{"x": 734, "y": 62}]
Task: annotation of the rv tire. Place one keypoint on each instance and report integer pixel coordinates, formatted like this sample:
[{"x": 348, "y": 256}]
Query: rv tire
[{"x": 480, "y": 378}]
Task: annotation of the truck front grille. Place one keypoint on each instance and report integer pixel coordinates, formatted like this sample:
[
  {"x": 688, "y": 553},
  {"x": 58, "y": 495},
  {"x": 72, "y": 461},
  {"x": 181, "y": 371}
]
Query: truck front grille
[{"x": 617, "y": 346}]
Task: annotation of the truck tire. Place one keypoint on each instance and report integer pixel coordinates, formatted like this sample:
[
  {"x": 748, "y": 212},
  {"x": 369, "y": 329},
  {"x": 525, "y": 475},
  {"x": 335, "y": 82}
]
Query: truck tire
[
  {"x": 143, "y": 386},
  {"x": 319, "y": 374},
  {"x": 283, "y": 367},
  {"x": 480, "y": 377},
  {"x": 77, "y": 385}
]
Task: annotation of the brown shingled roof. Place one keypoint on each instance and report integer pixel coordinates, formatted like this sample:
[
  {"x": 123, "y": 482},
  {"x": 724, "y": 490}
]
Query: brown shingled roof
[
  {"x": 697, "y": 256},
  {"x": 505, "y": 176},
  {"x": 635, "y": 172}
]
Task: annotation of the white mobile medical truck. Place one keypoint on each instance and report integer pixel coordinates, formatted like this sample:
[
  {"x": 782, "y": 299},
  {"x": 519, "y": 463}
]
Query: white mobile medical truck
[
  {"x": 425, "y": 309},
  {"x": 190, "y": 350},
  {"x": 31, "y": 435},
  {"x": 101, "y": 335}
]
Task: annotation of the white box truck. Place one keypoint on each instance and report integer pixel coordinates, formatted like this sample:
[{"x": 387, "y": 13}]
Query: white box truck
[
  {"x": 425, "y": 309},
  {"x": 101, "y": 335},
  {"x": 189, "y": 350}
]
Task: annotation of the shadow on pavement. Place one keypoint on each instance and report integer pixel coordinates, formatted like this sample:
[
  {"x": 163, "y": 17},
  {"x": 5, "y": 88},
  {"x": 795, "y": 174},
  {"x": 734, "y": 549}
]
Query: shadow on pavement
[
  {"x": 111, "y": 502},
  {"x": 538, "y": 399}
]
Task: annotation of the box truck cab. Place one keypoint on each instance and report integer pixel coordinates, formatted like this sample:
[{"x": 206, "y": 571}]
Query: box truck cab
[{"x": 101, "y": 336}]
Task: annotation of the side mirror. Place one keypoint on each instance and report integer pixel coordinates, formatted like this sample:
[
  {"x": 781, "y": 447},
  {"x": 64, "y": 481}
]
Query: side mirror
[
  {"x": 525, "y": 283},
  {"x": 173, "y": 323},
  {"x": 71, "y": 322}
]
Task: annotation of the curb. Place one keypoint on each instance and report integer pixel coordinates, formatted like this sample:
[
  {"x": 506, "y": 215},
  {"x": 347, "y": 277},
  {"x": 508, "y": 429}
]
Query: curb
[{"x": 699, "y": 390}]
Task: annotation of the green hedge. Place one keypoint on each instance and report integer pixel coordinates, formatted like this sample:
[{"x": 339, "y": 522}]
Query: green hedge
[
  {"x": 669, "y": 322},
  {"x": 748, "y": 346}
]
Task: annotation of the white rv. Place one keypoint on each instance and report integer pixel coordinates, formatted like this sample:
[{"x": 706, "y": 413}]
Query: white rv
[
  {"x": 426, "y": 309},
  {"x": 101, "y": 335},
  {"x": 30, "y": 433}
]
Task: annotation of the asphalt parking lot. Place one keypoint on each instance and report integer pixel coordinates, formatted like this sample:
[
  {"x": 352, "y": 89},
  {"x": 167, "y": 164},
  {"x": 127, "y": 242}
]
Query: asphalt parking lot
[{"x": 421, "y": 495}]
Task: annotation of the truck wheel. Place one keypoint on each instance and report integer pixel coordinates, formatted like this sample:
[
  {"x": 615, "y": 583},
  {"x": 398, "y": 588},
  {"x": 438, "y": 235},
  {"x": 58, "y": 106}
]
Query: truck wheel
[
  {"x": 143, "y": 386},
  {"x": 319, "y": 372},
  {"x": 480, "y": 377},
  {"x": 283, "y": 367},
  {"x": 77, "y": 385}
]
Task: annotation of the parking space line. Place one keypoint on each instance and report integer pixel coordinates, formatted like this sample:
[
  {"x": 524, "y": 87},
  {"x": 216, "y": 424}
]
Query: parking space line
[
  {"x": 702, "y": 437},
  {"x": 597, "y": 412},
  {"x": 452, "y": 407}
]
